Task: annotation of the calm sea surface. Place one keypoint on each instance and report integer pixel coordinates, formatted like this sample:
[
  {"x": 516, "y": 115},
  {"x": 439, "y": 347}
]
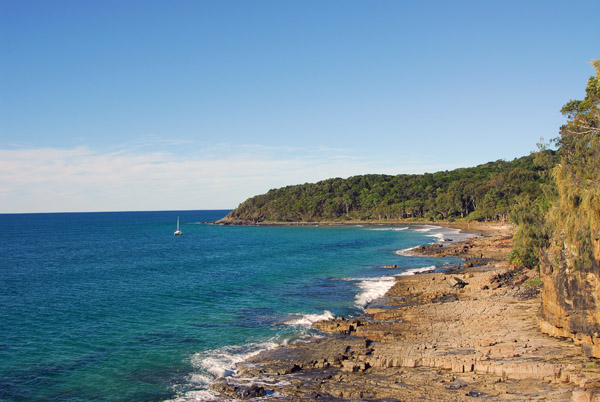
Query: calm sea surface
[{"x": 113, "y": 307}]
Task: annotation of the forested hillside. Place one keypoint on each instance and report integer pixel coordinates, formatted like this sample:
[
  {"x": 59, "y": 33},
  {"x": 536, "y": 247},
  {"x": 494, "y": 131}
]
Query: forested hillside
[{"x": 486, "y": 192}]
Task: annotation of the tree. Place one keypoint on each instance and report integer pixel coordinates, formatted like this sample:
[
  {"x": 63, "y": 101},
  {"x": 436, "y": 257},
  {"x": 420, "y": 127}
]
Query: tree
[
  {"x": 529, "y": 215},
  {"x": 484, "y": 192},
  {"x": 575, "y": 215}
]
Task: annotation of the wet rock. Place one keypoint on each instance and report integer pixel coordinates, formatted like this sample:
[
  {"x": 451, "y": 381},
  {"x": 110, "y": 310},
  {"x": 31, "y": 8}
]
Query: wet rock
[
  {"x": 338, "y": 326},
  {"x": 238, "y": 391}
]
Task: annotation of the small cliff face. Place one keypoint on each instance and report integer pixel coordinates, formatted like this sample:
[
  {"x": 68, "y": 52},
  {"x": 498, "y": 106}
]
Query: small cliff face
[
  {"x": 570, "y": 268},
  {"x": 570, "y": 305}
]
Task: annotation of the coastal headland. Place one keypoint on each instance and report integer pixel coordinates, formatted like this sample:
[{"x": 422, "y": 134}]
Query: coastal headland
[{"x": 469, "y": 332}]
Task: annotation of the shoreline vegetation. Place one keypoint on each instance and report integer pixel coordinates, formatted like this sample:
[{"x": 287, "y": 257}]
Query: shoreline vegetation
[
  {"x": 486, "y": 192},
  {"x": 470, "y": 331}
]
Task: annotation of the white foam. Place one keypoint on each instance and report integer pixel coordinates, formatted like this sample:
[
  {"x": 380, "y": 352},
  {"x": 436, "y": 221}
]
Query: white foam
[
  {"x": 198, "y": 378},
  {"x": 414, "y": 271},
  {"x": 456, "y": 235},
  {"x": 221, "y": 362},
  {"x": 427, "y": 228},
  {"x": 388, "y": 229},
  {"x": 440, "y": 236},
  {"x": 372, "y": 289},
  {"x": 406, "y": 251},
  {"x": 217, "y": 363},
  {"x": 308, "y": 319},
  {"x": 197, "y": 396},
  {"x": 459, "y": 235}
]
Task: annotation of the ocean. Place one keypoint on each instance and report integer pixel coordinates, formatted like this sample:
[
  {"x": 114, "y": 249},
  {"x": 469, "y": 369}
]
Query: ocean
[{"x": 113, "y": 307}]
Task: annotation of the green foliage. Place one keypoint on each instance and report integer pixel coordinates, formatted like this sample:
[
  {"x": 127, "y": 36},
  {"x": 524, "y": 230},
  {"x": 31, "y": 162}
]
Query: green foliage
[
  {"x": 532, "y": 283},
  {"x": 486, "y": 192},
  {"x": 529, "y": 215},
  {"x": 565, "y": 219},
  {"x": 575, "y": 215},
  {"x": 524, "y": 256}
]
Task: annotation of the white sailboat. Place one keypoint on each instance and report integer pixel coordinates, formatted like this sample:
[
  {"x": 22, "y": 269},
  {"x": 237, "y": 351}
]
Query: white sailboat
[{"x": 178, "y": 232}]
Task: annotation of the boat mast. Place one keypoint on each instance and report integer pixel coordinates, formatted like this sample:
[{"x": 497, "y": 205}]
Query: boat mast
[{"x": 177, "y": 232}]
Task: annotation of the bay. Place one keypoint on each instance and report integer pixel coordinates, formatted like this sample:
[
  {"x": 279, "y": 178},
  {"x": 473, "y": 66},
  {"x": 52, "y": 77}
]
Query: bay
[{"x": 112, "y": 307}]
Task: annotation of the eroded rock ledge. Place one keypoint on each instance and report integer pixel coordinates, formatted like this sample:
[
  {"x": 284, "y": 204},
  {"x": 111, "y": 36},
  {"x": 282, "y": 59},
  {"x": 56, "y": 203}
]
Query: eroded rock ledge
[{"x": 570, "y": 305}]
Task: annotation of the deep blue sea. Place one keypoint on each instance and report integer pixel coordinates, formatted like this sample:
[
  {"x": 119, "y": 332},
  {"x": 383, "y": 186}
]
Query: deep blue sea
[{"x": 114, "y": 307}]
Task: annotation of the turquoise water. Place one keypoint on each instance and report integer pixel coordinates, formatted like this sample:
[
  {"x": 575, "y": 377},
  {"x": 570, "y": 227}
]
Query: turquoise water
[{"x": 113, "y": 307}]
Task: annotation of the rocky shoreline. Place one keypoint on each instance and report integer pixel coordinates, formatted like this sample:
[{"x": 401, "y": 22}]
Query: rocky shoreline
[{"x": 469, "y": 332}]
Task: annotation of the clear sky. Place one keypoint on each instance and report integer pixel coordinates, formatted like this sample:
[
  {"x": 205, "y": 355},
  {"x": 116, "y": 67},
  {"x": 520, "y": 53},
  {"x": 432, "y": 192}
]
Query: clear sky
[{"x": 162, "y": 105}]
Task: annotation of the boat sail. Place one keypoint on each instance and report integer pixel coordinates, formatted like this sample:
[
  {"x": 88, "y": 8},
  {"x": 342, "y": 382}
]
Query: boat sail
[{"x": 178, "y": 232}]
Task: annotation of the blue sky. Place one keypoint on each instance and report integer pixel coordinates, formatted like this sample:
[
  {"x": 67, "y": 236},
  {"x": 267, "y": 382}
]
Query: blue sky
[{"x": 153, "y": 105}]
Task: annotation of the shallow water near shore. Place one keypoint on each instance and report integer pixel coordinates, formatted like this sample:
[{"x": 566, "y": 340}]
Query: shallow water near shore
[{"x": 112, "y": 306}]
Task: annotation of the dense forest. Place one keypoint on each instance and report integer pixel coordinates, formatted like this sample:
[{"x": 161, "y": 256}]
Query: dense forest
[{"x": 486, "y": 192}]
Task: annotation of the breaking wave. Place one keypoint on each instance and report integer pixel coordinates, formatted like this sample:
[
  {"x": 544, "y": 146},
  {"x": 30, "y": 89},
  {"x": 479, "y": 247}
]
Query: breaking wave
[
  {"x": 309, "y": 319},
  {"x": 372, "y": 289},
  {"x": 414, "y": 271}
]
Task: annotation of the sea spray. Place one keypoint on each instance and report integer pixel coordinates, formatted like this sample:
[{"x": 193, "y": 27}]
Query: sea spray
[
  {"x": 221, "y": 362},
  {"x": 439, "y": 236},
  {"x": 309, "y": 319},
  {"x": 415, "y": 271},
  {"x": 406, "y": 251},
  {"x": 372, "y": 289},
  {"x": 212, "y": 364}
]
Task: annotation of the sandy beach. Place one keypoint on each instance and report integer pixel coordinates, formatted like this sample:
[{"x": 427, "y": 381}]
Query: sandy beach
[{"x": 469, "y": 332}]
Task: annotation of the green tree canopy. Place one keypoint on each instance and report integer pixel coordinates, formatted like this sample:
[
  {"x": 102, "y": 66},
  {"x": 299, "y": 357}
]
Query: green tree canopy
[
  {"x": 485, "y": 192},
  {"x": 575, "y": 215}
]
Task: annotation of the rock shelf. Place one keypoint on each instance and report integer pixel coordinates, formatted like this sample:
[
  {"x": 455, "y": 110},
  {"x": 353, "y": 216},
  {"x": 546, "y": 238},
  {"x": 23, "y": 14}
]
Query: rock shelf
[{"x": 472, "y": 332}]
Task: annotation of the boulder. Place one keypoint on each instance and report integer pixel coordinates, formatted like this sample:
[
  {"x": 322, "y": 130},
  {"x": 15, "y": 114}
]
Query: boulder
[{"x": 456, "y": 282}]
